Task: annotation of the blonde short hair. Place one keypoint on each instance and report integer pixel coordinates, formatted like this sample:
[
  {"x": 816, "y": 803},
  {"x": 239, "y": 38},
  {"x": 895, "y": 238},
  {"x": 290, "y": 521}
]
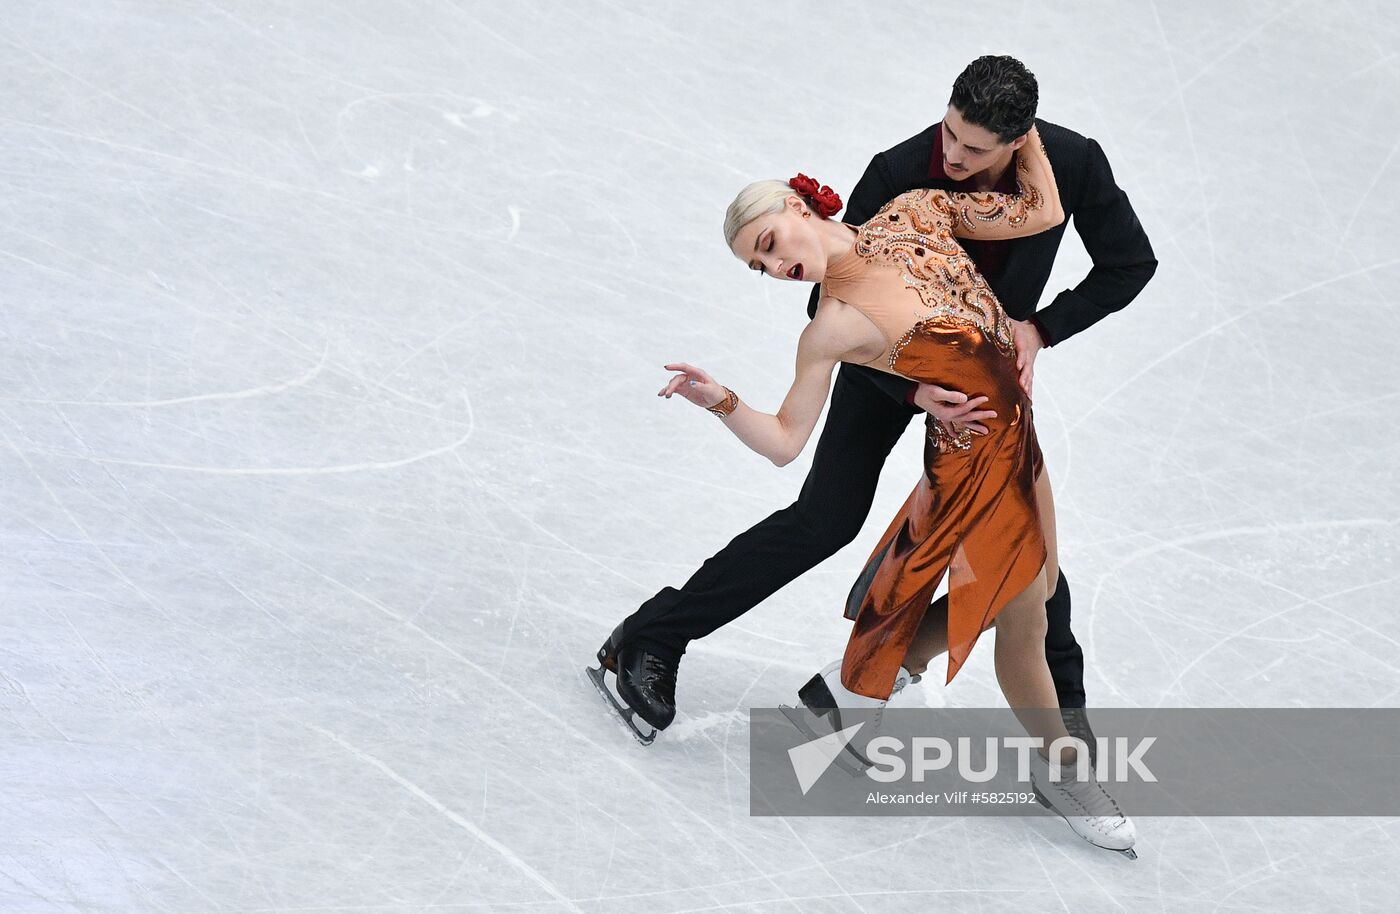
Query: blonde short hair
[{"x": 758, "y": 199}]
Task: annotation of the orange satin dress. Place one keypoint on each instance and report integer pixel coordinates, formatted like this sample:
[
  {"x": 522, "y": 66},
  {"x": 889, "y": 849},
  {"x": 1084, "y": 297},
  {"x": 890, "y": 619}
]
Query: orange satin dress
[{"x": 973, "y": 513}]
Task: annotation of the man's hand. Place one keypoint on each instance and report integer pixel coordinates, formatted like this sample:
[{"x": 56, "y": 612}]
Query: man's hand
[
  {"x": 1028, "y": 343},
  {"x": 953, "y": 407}
]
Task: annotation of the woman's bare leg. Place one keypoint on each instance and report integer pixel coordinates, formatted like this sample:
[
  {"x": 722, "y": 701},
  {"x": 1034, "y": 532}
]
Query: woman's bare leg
[
  {"x": 1022, "y": 671},
  {"x": 1045, "y": 502},
  {"x": 931, "y": 640}
]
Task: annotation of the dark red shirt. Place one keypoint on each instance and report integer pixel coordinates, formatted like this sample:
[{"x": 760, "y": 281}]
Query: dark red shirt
[{"x": 990, "y": 256}]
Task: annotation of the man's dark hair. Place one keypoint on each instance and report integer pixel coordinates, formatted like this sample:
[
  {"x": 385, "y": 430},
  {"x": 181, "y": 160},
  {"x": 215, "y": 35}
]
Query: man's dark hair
[{"x": 998, "y": 94}]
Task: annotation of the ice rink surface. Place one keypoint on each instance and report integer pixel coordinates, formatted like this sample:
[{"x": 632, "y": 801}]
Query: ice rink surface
[{"x": 330, "y": 448}]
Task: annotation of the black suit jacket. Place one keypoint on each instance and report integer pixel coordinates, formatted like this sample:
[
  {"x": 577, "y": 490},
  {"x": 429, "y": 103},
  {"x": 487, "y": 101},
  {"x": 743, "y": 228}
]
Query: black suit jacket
[{"x": 1103, "y": 217}]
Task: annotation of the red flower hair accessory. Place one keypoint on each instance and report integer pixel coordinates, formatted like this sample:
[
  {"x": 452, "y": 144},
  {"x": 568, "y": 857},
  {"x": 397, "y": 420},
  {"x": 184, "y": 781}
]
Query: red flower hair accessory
[{"x": 825, "y": 201}]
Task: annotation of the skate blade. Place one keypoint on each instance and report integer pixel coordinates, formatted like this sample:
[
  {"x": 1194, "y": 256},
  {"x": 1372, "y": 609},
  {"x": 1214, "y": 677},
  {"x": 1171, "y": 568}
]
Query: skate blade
[
  {"x": 624, "y": 713},
  {"x": 848, "y": 760},
  {"x": 1044, "y": 801},
  {"x": 1125, "y": 851},
  {"x": 801, "y": 719}
]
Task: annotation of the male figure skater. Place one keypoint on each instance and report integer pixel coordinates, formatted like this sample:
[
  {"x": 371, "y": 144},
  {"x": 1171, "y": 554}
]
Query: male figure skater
[{"x": 973, "y": 148}]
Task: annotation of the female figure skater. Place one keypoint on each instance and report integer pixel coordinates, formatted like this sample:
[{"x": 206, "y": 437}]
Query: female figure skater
[{"x": 901, "y": 295}]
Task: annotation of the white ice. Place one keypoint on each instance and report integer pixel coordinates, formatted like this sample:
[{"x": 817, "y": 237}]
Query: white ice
[{"x": 330, "y": 448}]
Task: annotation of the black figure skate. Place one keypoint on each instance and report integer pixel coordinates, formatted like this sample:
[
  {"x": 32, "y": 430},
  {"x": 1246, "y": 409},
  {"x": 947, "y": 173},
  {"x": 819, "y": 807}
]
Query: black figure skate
[{"x": 646, "y": 685}]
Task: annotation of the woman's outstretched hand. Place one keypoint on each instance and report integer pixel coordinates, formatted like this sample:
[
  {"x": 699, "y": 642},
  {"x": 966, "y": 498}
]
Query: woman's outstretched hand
[{"x": 695, "y": 384}]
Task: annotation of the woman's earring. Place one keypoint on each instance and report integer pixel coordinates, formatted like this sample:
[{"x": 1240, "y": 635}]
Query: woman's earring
[{"x": 806, "y": 214}]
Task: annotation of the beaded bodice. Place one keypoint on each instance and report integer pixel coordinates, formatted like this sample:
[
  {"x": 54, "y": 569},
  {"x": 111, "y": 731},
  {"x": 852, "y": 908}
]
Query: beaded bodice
[{"x": 909, "y": 246}]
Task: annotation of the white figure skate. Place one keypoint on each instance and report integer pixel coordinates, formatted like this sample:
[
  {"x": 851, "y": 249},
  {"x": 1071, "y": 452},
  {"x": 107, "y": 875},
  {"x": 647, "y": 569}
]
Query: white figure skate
[
  {"x": 1086, "y": 806},
  {"x": 824, "y": 698}
]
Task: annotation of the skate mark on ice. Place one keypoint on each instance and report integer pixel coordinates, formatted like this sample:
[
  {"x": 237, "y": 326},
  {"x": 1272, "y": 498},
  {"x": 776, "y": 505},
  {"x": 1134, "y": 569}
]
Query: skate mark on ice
[
  {"x": 698, "y": 725},
  {"x": 1301, "y": 600},
  {"x": 564, "y": 724},
  {"x": 1180, "y": 95},
  {"x": 309, "y": 375},
  {"x": 284, "y": 471},
  {"x": 1238, "y": 316},
  {"x": 1366, "y": 195},
  {"x": 484, "y": 837}
]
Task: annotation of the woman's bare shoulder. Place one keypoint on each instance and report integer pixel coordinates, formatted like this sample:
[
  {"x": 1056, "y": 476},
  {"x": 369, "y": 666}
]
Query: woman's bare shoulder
[{"x": 845, "y": 331}]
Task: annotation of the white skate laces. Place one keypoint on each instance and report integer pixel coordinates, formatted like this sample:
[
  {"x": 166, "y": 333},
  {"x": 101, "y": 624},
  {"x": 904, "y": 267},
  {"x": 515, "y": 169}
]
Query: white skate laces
[{"x": 1089, "y": 809}]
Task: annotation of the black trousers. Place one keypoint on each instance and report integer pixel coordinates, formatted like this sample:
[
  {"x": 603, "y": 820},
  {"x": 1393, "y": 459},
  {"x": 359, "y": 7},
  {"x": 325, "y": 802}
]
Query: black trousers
[{"x": 866, "y": 418}]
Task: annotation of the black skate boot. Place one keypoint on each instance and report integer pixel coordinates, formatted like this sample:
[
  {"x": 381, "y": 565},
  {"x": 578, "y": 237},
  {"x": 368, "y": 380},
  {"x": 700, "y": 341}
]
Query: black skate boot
[
  {"x": 823, "y": 701},
  {"x": 646, "y": 685}
]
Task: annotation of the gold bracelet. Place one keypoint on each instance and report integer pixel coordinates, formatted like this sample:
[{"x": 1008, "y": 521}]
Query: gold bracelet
[{"x": 727, "y": 405}]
